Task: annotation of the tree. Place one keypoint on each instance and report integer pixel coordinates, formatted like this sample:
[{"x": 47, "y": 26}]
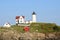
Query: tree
[{"x": 55, "y": 28}]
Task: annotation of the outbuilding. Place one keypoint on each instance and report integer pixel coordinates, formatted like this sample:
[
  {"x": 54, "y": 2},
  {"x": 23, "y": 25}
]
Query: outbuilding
[{"x": 7, "y": 24}]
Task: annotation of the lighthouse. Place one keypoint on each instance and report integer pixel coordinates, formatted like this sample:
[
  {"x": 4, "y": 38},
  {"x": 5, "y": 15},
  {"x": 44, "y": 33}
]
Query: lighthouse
[
  {"x": 33, "y": 17},
  {"x": 21, "y": 19}
]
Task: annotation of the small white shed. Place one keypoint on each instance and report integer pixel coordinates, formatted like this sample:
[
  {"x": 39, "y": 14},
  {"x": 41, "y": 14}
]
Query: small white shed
[{"x": 7, "y": 24}]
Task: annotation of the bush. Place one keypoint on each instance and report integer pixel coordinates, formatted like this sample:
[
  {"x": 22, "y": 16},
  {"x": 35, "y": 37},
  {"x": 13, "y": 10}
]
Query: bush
[{"x": 55, "y": 28}]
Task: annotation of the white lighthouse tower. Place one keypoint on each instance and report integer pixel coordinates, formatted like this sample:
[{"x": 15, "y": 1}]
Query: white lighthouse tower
[{"x": 33, "y": 17}]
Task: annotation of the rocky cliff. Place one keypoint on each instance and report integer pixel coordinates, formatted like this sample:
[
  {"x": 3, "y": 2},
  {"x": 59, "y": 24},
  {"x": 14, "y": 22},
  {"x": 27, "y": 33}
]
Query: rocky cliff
[{"x": 14, "y": 35}]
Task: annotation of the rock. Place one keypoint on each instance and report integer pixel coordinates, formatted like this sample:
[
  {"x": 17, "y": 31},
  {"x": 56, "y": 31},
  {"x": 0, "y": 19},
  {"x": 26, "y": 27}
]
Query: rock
[
  {"x": 14, "y": 35},
  {"x": 9, "y": 35}
]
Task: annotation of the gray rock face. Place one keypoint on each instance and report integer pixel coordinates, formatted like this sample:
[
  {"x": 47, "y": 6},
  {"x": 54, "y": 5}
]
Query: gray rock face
[
  {"x": 9, "y": 35},
  {"x": 14, "y": 35}
]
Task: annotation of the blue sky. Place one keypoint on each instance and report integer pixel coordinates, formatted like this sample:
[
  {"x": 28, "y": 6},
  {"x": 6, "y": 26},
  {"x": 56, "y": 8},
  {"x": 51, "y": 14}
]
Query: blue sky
[{"x": 46, "y": 10}]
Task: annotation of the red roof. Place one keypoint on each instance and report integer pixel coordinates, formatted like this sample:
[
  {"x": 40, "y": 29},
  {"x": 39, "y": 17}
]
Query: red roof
[{"x": 17, "y": 17}]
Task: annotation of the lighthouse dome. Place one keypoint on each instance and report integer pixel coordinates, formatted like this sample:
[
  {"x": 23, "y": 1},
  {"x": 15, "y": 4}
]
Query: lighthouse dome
[{"x": 33, "y": 13}]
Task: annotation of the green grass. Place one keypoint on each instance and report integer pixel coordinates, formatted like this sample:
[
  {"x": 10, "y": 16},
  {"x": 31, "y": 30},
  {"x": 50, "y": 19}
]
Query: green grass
[{"x": 35, "y": 27}]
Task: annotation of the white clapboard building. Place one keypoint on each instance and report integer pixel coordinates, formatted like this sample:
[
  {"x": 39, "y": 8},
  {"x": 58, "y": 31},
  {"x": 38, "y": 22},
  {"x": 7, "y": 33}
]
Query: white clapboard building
[
  {"x": 21, "y": 19},
  {"x": 7, "y": 24}
]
